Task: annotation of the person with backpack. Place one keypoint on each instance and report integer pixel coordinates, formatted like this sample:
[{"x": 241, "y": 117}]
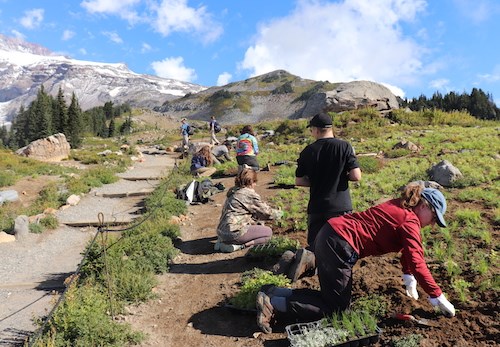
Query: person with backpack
[
  {"x": 201, "y": 163},
  {"x": 185, "y": 131},
  {"x": 240, "y": 223},
  {"x": 392, "y": 226},
  {"x": 247, "y": 149},
  {"x": 214, "y": 128}
]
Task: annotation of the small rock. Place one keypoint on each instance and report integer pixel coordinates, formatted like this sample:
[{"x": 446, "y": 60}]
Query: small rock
[{"x": 4, "y": 237}]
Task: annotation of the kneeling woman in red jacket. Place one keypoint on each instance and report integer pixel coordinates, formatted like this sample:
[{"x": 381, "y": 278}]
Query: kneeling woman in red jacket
[{"x": 393, "y": 226}]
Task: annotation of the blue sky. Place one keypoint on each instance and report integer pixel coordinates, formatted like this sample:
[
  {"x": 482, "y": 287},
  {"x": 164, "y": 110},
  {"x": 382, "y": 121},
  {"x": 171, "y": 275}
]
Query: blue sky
[{"x": 414, "y": 46}]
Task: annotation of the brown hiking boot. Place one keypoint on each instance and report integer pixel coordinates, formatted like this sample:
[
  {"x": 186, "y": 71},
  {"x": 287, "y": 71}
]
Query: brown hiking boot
[
  {"x": 304, "y": 262},
  {"x": 265, "y": 312},
  {"x": 283, "y": 265}
]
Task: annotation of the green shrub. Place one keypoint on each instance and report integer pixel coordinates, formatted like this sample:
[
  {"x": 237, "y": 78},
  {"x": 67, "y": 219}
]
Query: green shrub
[
  {"x": 49, "y": 222},
  {"x": 35, "y": 228},
  {"x": 252, "y": 281},
  {"x": 81, "y": 320}
]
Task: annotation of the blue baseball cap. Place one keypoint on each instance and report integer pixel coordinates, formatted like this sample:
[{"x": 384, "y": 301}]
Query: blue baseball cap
[{"x": 438, "y": 201}]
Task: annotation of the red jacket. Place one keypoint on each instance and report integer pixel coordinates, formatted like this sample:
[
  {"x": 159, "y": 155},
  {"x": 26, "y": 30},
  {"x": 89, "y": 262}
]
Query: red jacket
[{"x": 387, "y": 228}]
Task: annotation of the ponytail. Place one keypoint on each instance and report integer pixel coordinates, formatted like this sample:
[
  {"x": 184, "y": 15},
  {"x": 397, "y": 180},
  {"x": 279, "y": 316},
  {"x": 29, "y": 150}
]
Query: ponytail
[{"x": 410, "y": 197}]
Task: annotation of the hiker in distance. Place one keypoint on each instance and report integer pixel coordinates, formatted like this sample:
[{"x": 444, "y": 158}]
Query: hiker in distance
[
  {"x": 393, "y": 226},
  {"x": 240, "y": 223},
  {"x": 212, "y": 126},
  {"x": 201, "y": 163},
  {"x": 184, "y": 130},
  {"x": 247, "y": 149},
  {"x": 326, "y": 166}
]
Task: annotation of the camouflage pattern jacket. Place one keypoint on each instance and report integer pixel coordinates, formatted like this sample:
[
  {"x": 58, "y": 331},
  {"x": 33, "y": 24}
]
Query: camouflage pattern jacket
[{"x": 243, "y": 207}]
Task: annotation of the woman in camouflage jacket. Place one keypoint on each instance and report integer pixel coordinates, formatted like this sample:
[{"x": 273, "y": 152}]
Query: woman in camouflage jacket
[{"x": 242, "y": 212}]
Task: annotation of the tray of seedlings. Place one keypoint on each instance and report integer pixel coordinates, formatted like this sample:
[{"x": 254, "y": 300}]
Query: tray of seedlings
[
  {"x": 346, "y": 329},
  {"x": 274, "y": 248},
  {"x": 251, "y": 282}
]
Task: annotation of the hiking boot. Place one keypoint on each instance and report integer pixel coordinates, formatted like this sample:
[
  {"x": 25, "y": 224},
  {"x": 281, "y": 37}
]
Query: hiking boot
[
  {"x": 265, "y": 312},
  {"x": 304, "y": 262},
  {"x": 284, "y": 264}
]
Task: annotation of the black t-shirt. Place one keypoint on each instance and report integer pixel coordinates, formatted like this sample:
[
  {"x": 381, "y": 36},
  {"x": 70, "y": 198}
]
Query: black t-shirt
[{"x": 327, "y": 163}]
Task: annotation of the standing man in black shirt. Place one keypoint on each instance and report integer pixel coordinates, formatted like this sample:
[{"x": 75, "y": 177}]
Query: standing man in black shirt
[{"x": 326, "y": 166}]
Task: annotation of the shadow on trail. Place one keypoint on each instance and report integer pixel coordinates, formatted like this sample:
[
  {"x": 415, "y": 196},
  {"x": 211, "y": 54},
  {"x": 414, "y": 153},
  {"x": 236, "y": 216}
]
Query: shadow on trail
[
  {"x": 224, "y": 266},
  {"x": 54, "y": 281},
  {"x": 225, "y": 322},
  {"x": 13, "y": 337},
  {"x": 202, "y": 246}
]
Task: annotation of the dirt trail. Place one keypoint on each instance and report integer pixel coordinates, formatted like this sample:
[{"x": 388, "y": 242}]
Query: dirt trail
[{"x": 190, "y": 310}]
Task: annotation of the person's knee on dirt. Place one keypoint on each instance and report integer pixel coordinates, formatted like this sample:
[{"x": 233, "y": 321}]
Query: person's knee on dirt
[
  {"x": 243, "y": 212},
  {"x": 390, "y": 227}
]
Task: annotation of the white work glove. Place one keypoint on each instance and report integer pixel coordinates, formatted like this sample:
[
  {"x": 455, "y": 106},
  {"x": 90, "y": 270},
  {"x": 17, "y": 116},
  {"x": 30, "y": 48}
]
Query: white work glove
[
  {"x": 411, "y": 286},
  {"x": 444, "y": 305}
]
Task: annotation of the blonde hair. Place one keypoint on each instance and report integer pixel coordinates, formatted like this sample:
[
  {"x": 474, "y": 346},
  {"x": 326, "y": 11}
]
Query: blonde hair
[
  {"x": 245, "y": 178},
  {"x": 411, "y": 196}
]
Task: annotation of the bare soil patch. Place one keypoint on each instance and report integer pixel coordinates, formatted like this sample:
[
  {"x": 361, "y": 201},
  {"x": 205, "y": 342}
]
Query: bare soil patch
[{"x": 190, "y": 309}]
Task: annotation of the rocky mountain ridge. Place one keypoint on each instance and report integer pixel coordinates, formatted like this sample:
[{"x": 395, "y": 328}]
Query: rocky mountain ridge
[{"x": 24, "y": 67}]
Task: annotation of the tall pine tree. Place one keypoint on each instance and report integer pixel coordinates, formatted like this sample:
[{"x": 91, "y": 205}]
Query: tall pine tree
[
  {"x": 60, "y": 113},
  {"x": 74, "y": 123}
]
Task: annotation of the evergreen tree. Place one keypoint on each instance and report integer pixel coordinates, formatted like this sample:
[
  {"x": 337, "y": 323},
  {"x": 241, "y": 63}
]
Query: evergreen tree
[
  {"x": 4, "y": 136},
  {"x": 42, "y": 113},
  {"x": 19, "y": 129},
  {"x": 112, "y": 128},
  {"x": 108, "y": 109},
  {"x": 74, "y": 123},
  {"x": 480, "y": 106},
  {"x": 60, "y": 113},
  {"x": 126, "y": 127}
]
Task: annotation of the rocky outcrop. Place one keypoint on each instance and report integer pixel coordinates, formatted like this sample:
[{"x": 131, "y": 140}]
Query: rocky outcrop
[
  {"x": 352, "y": 96},
  {"x": 52, "y": 148}
]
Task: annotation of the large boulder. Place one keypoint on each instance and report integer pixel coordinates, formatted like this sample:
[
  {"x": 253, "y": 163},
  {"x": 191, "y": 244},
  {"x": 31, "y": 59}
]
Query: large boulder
[
  {"x": 444, "y": 173},
  {"x": 352, "y": 96},
  {"x": 52, "y": 148}
]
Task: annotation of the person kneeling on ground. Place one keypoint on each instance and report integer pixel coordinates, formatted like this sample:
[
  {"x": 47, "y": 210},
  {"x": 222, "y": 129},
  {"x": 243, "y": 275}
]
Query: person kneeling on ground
[
  {"x": 201, "y": 162},
  {"x": 393, "y": 226},
  {"x": 221, "y": 153},
  {"x": 239, "y": 224}
]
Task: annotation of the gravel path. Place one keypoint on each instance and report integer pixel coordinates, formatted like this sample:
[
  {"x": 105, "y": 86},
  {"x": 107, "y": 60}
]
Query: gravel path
[{"x": 33, "y": 270}]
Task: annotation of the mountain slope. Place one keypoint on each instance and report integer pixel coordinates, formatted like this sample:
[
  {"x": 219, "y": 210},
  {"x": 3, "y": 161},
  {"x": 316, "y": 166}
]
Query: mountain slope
[{"x": 25, "y": 66}]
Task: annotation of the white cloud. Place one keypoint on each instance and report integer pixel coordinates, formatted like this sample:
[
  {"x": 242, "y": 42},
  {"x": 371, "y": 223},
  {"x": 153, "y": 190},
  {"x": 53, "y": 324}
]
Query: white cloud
[
  {"x": 491, "y": 77},
  {"x": 479, "y": 10},
  {"x": 67, "y": 35},
  {"x": 82, "y": 51},
  {"x": 174, "y": 68},
  {"x": 176, "y": 15},
  {"x": 121, "y": 8},
  {"x": 18, "y": 34},
  {"x": 224, "y": 78},
  {"x": 32, "y": 18},
  {"x": 341, "y": 41},
  {"x": 113, "y": 36},
  {"x": 441, "y": 84},
  {"x": 145, "y": 47}
]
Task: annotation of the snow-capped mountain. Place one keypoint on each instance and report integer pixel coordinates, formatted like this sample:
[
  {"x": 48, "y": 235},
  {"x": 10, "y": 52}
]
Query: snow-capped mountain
[{"x": 24, "y": 67}]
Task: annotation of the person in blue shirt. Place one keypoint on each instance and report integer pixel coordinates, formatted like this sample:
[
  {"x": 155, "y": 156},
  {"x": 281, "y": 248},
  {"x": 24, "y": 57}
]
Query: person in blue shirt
[{"x": 184, "y": 129}]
